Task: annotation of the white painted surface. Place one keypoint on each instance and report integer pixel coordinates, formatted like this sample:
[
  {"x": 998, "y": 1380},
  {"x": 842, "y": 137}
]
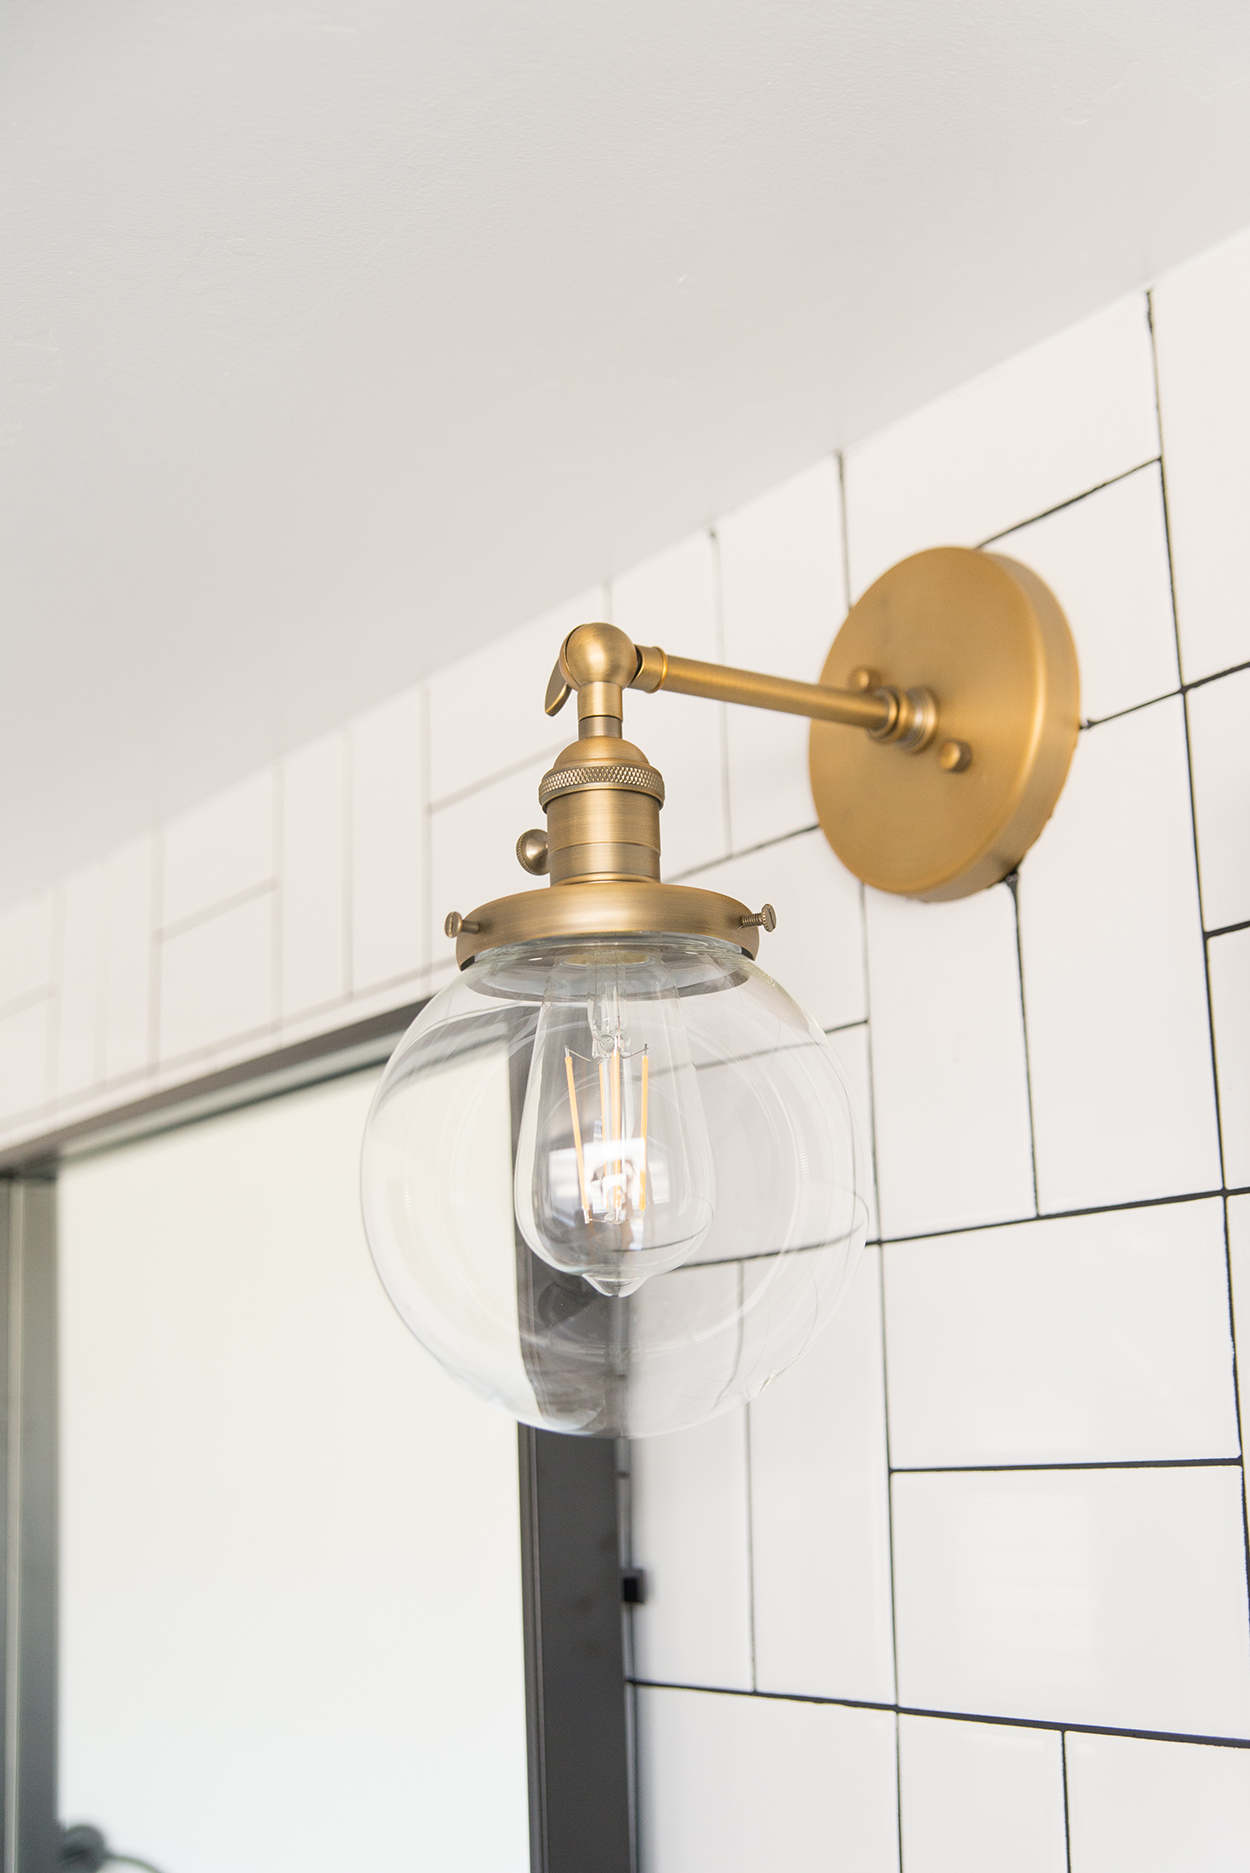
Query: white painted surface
[
  {"x": 733, "y": 1784},
  {"x": 1220, "y": 757},
  {"x": 691, "y": 1519},
  {"x": 1204, "y": 390},
  {"x": 1108, "y": 555},
  {"x": 820, "y": 1513},
  {"x": 291, "y": 1577},
  {"x": 1092, "y": 1339},
  {"x": 980, "y": 1798},
  {"x": 1111, "y": 937},
  {"x": 817, "y": 949},
  {"x": 1144, "y": 1807},
  {"x": 1109, "y": 1597},
  {"x": 952, "y": 1133}
]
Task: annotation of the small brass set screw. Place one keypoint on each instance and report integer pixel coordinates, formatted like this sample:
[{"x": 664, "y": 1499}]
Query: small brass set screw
[{"x": 455, "y": 923}]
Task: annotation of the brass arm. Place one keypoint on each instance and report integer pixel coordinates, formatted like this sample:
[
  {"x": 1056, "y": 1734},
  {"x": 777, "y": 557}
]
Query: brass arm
[
  {"x": 598, "y": 661},
  {"x": 871, "y": 707}
]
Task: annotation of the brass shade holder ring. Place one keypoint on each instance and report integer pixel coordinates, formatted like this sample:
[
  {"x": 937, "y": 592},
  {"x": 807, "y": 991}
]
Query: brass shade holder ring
[
  {"x": 989, "y": 643},
  {"x": 606, "y": 908}
]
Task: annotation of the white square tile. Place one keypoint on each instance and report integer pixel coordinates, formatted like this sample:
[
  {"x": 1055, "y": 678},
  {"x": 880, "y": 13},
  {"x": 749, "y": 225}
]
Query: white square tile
[
  {"x": 671, "y": 601},
  {"x": 217, "y": 979},
  {"x": 314, "y": 855},
  {"x": 1144, "y": 1807},
  {"x": 1200, "y": 314},
  {"x": 1220, "y": 762},
  {"x": 219, "y": 851},
  {"x": 1230, "y": 1007},
  {"x": 1108, "y": 1597},
  {"x": 820, "y": 1512},
  {"x": 744, "y": 1784},
  {"x": 950, "y": 1089},
  {"x": 473, "y": 850},
  {"x": 1106, "y": 560},
  {"x": 1092, "y": 1339},
  {"x": 25, "y": 1038},
  {"x": 1119, "y": 1044},
  {"x": 80, "y": 1002},
  {"x": 980, "y": 1798},
  {"x": 816, "y": 952},
  {"x": 486, "y": 711},
  {"x": 1046, "y": 425},
  {"x": 1239, "y": 1268},
  {"x": 689, "y": 1515},
  {"x": 27, "y": 931},
  {"x": 388, "y": 843},
  {"x": 783, "y": 596},
  {"x": 129, "y": 1044}
]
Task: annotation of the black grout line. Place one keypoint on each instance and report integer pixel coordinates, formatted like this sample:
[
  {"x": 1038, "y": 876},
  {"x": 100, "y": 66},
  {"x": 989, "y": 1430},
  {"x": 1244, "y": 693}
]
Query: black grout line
[
  {"x": 1200, "y": 682},
  {"x": 840, "y": 459},
  {"x": 1228, "y": 929},
  {"x": 750, "y": 1527},
  {"x": 1013, "y": 885},
  {"x": 1206, "y": 953},
  {"x": 1073, "y": 500},
  {"x": 950, "y": 1716},
  {"x": 974, "y": 1229},
  {"x": 1111, "y": 1463},
  {"x": 1132, "y": 708},
  {"x": 1063, "y": 1768},
  {"x": 1059, "y": 1216}
]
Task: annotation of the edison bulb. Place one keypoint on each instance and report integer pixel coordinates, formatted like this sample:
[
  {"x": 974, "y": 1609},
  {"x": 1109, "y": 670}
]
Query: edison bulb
[
  {"x": 614, "y": 1172},
  {"x": 616, "y": 1185}
]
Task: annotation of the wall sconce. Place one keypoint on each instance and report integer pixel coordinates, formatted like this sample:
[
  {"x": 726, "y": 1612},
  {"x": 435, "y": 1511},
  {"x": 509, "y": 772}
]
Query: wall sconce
[{"x": 611, "y": 1177}]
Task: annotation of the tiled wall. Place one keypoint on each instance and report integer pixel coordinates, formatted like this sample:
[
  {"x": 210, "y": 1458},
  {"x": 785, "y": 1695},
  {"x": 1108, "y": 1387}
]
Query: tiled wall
[{"x": 969, "y": 1585}]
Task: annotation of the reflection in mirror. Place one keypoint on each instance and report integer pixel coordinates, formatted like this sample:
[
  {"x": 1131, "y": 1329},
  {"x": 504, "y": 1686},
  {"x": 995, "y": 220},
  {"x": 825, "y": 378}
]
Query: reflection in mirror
[{"x": 291, "y": 1598}]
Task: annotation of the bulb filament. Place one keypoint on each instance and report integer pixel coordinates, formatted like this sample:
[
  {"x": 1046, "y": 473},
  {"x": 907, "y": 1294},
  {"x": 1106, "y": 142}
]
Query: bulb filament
[
  {"x": 577, "y": 1137},
  {"x": 609, "y": 1151}
]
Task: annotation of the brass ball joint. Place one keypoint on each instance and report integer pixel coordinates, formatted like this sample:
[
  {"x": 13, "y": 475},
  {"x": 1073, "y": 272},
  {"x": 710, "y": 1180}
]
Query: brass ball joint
[{"x": 957, "y": 665}]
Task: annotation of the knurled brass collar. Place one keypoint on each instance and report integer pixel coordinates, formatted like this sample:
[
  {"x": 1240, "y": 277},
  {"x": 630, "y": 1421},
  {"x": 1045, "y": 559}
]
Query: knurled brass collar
[{"x": 627, "y": 775}]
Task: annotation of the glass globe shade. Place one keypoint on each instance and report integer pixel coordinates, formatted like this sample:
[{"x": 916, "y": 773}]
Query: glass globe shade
[{"x": 614, "y": 1185}]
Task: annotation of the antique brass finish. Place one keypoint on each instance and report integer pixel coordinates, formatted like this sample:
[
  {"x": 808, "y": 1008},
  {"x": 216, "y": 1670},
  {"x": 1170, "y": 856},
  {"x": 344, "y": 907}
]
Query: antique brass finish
[
  {"x": 532, "y": 853},
  {"x": 958, "y": 665},
  {"x": 616, "y": 907},
  {"x": 987, "y": 639}
]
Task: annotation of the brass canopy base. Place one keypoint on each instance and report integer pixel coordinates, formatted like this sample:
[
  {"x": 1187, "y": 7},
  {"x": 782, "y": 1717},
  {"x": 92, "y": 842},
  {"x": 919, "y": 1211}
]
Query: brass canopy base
[
  {"x": 606, "y": 907},
  {"x": 989, "y": 643}
]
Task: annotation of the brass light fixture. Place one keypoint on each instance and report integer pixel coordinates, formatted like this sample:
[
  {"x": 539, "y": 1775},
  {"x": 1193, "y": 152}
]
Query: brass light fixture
[{"x": 612, "y": 1178}]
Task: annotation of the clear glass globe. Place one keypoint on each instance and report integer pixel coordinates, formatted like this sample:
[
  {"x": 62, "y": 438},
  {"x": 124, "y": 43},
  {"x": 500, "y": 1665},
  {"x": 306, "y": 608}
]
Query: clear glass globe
[{"x": 614, "y": 1185}]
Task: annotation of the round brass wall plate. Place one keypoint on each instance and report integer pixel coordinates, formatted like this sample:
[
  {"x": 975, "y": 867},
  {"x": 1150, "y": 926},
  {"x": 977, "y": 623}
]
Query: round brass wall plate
[
  {"x": 606, "y": 907},
  {"x": 991, "y": 643}
]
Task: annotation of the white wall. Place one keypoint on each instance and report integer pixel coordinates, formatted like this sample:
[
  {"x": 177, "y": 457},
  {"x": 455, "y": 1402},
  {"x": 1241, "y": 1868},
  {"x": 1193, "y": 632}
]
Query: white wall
[{"x": 1005, "y": 1495}]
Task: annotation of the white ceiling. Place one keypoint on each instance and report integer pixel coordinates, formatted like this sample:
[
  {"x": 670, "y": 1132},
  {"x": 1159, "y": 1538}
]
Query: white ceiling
[{"x": 338, "y": 339}]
